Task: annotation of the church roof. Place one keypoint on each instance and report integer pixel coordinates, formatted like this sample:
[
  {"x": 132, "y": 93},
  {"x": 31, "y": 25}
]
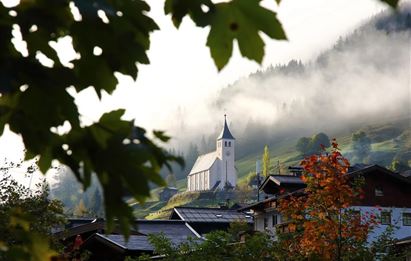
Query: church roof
[
  {"x": 204, "y": 162},
  {"x": 225, "y": 133}
]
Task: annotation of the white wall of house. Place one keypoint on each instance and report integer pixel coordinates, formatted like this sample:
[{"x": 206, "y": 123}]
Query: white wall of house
[
  {"x": 398, "y": 219},
  {"x": 264, "y": 221}
]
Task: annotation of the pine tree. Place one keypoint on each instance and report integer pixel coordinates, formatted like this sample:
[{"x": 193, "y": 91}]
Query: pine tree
[{"x": 266, "y": 161}]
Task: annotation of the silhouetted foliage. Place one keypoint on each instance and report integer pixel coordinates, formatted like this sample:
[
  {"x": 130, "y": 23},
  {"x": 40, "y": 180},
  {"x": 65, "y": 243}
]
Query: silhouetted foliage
[{"x": 27, "y": 219}]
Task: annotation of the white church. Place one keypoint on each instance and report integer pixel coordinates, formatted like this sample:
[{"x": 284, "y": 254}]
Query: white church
[{"x": 215, "y": 170}]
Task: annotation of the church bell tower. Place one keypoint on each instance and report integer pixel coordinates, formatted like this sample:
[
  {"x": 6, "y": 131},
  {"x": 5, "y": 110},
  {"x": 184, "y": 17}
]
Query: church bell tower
[{"x": 226, "y": 153}]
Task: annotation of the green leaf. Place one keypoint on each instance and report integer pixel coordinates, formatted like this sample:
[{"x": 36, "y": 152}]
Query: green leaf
[
  {"x": 392, "y": 3},
  {"x": 45, "y": 159},
  {"x": 262, "y": 18},
  {"x": 241, "y": 20},
  {"x": 180, "y": 8},
  {"x": 220, "y": 38},
  {"x": 110, "y": 123}
]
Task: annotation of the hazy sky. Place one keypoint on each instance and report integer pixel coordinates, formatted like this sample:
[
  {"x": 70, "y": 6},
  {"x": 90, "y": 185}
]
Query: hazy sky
[{"x": 182, "y": 74}]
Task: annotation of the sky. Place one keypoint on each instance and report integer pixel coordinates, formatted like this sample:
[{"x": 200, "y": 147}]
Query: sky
[{"x": 181, "y": 73}]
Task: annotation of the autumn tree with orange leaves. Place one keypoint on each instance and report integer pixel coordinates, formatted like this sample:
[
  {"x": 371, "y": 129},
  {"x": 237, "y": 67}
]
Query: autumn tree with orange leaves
[{"x": 321, "y": 224}]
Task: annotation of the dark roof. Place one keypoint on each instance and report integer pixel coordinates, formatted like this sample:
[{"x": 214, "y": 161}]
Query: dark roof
[
  {"x": 225, "y": 133},
  {"x": 80, "y": 229},
  {"x": 172, "y": 228},
  {"x": 286, "y": 179},
  {"x": 211, "y": 215},
  {"x": 74, "y": 222},
  {"x": 273, "y": 198},
  {"x": 142, "y": 227},
  {"x": 177, "y": 231},
  {"x": 370, "y": 168},
  {"x": 140, "y": 243},
  {"x": 291, "y": 181}
]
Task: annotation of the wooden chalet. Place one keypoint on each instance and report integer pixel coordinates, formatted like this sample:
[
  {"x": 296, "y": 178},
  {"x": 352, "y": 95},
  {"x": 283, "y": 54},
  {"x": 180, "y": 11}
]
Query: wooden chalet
[{"x": 386, "y": 193}]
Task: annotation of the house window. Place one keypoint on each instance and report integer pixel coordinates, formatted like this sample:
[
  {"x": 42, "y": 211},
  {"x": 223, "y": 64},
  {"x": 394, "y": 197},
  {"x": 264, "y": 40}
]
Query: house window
[
  {"x": 379, "y": 192},
  {"x": 385, "y": 218},
  {"x": 275, "y": 220},
  {"x": 406, "y": 219}
]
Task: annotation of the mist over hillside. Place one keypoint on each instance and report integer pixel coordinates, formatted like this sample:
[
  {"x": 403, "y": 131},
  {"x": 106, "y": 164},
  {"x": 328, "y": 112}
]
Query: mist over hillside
[{"x": 363, "y": 79}]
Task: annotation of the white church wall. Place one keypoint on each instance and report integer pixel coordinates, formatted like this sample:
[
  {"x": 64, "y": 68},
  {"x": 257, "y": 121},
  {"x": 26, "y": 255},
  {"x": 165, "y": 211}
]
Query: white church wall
[
  {"x": 190, "y": 183},
  {"x": 216, "y": 170}
]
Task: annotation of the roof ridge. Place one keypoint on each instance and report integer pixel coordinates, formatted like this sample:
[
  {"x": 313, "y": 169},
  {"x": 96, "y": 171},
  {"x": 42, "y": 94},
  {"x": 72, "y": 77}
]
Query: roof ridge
[
  {"x": 214, "y": 208},
  {"x": 208, "y": 153}
]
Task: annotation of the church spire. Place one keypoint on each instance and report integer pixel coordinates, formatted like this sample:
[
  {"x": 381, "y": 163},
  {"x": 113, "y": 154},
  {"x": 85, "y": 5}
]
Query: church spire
[{"x": 225, "y": 133}]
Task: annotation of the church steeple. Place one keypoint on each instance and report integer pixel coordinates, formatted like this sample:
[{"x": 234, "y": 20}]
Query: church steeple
[
  {"x": 225, "y": 133},
  {"x": 226, "y": 155}
]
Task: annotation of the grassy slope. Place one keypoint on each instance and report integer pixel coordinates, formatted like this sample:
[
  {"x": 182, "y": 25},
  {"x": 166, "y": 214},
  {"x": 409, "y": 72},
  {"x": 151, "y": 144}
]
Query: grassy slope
[{"x": 285, "y": 152}]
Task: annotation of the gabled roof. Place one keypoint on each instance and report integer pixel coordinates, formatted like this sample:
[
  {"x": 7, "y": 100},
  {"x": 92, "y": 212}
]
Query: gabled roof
[
  {"x": 173, "y": 228},
  {"x": 260, "y": 204},
  {"x": 271, "y": 183},
  {"x": 371, "y": 168},
  {"x": 136, "y": 243},
  {"x": 84, "y": 226},
  {"x": 225, "y": 133},
  {"x": 209, "y": 215},
  {"x": 140, "y": 243},
  {"x": 283, "y": 179},
  {"x": 204, "y": 162}
]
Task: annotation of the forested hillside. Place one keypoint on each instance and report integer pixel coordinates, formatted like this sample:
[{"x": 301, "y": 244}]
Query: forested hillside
[{"x": 330, "y": 94}]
